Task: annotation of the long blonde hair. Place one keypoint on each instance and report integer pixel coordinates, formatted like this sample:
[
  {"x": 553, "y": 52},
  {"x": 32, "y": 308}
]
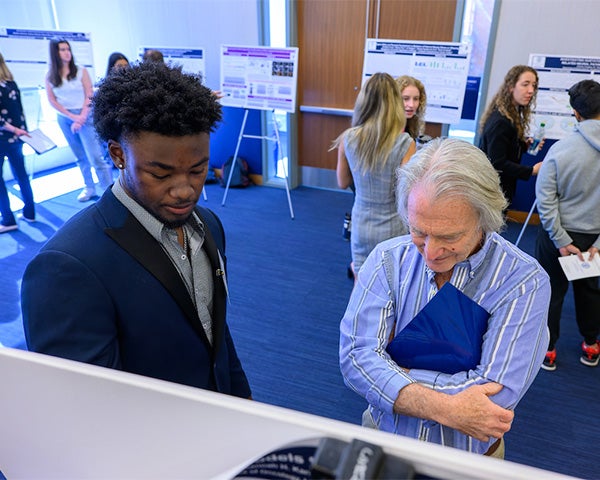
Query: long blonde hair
[
  {"x": 503, "y": 102},
  {"x": 5, "y": 75},
  {"x": 377, "y": 121},
  {"x": 415, "y": 126}
]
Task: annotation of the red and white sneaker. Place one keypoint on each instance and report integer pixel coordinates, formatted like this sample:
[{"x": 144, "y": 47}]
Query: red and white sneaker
[
  {"x": 591, "y": 354},
  {"x": 550, "y": 361}
]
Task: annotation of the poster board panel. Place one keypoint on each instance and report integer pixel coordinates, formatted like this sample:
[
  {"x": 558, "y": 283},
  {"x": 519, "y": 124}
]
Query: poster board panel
[
  {"x": 443, "y": 68},
  {"x": 256, "y": 77},
  {"x": 26, "y": 53},
  {"x": 558, "y": 73},
  {"x": 192, "y": 59},
  {"x": 83, "y": 421}
]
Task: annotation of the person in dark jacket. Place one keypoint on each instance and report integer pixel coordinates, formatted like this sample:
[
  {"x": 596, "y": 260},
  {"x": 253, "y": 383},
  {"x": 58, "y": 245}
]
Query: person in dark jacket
[
  {"x": 137, "y": 282},
  {"x": 504, "y": 126}
]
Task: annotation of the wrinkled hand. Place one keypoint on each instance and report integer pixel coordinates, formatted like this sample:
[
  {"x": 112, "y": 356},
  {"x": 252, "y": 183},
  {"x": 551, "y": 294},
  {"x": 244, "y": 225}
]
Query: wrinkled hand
[{"x": 474, "y": 414}]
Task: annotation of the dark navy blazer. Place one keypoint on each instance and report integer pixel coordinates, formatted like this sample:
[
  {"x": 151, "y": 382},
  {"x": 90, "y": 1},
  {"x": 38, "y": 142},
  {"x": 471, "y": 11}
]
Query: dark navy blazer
[{"x": 103, "y": 291}]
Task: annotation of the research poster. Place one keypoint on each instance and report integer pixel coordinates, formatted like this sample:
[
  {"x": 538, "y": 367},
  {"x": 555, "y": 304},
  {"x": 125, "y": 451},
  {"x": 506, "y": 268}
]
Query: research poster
[
  {"x": 192, "y": 60},
  {"x": 263, "y": 78},
  {"x": 443, "y": 68},
  {"x": 556, "y": 75},
  {"x": 26, "y": 52}
]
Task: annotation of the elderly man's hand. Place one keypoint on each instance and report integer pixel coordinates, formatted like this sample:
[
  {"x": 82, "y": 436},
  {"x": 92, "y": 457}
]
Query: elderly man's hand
[
  {"x": 470, "y": 411},
  {"x": 473, "y": 413}
]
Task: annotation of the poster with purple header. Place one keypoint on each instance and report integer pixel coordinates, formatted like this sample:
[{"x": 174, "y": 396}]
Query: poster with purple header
[{"x": 262, "y": 78}]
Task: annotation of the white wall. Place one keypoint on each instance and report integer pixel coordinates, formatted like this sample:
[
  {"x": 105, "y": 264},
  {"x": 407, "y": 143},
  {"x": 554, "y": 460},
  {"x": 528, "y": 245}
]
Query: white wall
[
  {"x": 558, "y": 27},
  {"x": 125, "y": 25}
]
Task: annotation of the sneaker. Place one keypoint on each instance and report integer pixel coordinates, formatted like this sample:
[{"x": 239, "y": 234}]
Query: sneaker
[
  {"x": 27, "y": 219},
  {"x": 8, "y": 228},
  {"x": 87, "y": 194},
  {"x": 591, "y": 354},
  {"x": 549, "y": 362}
]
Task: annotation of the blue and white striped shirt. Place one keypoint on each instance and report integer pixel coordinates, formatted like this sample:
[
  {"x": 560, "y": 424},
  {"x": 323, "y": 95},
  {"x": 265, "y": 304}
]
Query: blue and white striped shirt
[{"x": 395, "y": 284}]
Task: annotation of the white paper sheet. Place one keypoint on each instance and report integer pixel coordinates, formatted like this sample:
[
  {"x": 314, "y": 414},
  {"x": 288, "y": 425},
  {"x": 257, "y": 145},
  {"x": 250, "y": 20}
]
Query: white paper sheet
[{"x": 575, "y": 268}]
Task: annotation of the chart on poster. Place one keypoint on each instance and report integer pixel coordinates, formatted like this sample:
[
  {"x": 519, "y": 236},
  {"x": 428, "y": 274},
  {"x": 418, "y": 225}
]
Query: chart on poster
[
  {"x": 556, "y": 75},
  {"x": 443, "y": 68},
  {"x": 259, "y": 77}
]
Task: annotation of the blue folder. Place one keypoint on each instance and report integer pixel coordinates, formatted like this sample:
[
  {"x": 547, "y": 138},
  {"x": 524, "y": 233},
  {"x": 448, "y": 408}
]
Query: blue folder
[{"x": 445, "y": 336}]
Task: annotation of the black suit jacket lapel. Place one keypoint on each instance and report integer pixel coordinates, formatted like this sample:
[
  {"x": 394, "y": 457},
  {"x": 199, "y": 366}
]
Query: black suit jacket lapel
[
  {"x": 136, "y": 240},
  {"x": 218, "y": 276}
]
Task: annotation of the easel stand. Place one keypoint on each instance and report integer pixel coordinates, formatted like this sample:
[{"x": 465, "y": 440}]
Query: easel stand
[
  {"x": 259, "y": 137},
  {"x": 526, "y": 223}
]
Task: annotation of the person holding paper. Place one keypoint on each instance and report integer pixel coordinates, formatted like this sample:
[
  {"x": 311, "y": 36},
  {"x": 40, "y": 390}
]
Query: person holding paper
[
  {"x": 12, "y": 126},
  {"x": 69, "y": 90},
  {"x": 504, "y": 125},
  {"x": 568, "y": 202},
  {"x": 137, "y": 281},
  {"x": 450, "y": 197}
]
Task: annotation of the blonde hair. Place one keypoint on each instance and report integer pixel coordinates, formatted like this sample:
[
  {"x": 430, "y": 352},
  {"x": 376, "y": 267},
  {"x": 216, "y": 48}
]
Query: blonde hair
[
  {"x": 5, "y": 75},
  {"x": 415, "y": 126},
  {"x": 377, "y": 121}
]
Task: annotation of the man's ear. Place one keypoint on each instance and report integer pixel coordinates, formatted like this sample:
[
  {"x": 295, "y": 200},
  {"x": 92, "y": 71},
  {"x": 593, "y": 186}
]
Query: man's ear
[
  {"x": 577, "y": 115},
  {"x": 116, "y": 153}
]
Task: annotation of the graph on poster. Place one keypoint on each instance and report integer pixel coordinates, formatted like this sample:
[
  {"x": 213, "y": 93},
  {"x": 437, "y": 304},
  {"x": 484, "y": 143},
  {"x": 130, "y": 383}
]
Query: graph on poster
[
  {"x": 556, "y": 75},
  {"x": 259, "y": 77},
  {"x": 443, "y": 68}
]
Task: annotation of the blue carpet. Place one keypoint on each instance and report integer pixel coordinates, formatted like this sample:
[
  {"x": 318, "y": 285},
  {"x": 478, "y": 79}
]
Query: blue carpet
[{"x": 289, "y": 291}]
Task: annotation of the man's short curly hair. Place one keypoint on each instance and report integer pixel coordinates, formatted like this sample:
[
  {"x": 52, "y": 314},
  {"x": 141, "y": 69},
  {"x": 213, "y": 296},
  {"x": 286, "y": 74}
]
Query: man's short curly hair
[{"x": 153, "y": 97}]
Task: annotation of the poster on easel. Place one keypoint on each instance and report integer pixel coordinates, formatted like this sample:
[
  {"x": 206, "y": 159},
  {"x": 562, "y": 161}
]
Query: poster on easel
[
  {"x": 192, "y": 60},
  {"x": 443, "y": 67},
  {"x": 558, "y": 73},
  {"x": 257, "y": 77},
  {"x": 26, "y": 52}
]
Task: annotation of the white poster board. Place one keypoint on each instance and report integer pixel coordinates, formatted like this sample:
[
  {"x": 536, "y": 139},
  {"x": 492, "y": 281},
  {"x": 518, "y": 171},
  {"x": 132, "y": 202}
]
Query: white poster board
[
  {"x": 558, "y": 73},
  {"x": 191, "y": 59},
  {"x": 261, "y": 78},
  {"x": 443, "y": 68},
  {"x": 26, "y": 52},
  {"x": 64, "y": 419}
]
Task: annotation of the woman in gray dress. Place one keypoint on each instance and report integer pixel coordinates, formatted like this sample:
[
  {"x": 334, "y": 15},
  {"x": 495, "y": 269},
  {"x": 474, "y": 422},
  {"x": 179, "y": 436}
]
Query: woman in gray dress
[{"x": 369, "y": 153}]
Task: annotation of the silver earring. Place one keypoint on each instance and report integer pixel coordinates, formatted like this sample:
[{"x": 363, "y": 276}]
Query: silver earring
[{"x": 121, "y": 166}]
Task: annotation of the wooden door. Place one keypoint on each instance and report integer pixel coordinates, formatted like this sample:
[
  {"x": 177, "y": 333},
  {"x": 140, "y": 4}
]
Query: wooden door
[{"x": 331, "y": 41}]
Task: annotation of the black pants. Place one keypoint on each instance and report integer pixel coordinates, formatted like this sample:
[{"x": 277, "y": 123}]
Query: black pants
[{"x": 586, "y": 292}]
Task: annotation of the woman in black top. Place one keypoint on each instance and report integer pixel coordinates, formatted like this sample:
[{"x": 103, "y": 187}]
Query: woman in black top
[
  {"x": 12, "y": 126},
  {"x": 504, "y": 127}
]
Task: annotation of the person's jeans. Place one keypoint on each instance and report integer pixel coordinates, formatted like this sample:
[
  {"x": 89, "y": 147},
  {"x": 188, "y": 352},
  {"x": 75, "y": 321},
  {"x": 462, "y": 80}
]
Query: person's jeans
[
  {"x": 86, "y": 148},
  {"x": 14, "y": 152}
]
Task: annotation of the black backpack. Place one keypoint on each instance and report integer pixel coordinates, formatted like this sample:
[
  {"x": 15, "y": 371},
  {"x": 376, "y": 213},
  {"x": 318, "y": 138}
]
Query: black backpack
[{"x": 239, "y": 178}]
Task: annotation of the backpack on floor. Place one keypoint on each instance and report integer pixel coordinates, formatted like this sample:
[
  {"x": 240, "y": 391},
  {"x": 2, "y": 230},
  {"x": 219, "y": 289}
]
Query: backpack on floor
[{"x": 239, "y": 178}]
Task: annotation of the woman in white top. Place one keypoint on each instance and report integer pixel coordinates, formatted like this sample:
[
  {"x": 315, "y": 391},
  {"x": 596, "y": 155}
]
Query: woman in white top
[{"x": 69, "y": 90}]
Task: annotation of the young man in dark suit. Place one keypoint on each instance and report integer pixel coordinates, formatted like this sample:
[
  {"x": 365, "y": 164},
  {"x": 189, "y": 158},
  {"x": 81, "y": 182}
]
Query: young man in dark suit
[{"x": 137, "y": 281}]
